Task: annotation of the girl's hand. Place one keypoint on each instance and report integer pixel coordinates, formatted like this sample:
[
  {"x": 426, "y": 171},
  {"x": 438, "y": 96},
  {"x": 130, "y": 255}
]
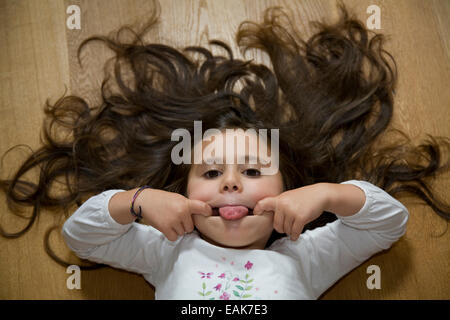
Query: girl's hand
[
  {"x": 295, "y": 208},
  {"x": 171, "y": 213}
]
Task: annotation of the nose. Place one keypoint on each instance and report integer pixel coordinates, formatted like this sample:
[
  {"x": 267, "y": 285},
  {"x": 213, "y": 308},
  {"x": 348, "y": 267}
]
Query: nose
[{"x": 231, "y": 183}]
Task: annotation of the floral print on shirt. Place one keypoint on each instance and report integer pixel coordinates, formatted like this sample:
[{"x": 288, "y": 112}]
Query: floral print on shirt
[{"x": 228, "y": 284}]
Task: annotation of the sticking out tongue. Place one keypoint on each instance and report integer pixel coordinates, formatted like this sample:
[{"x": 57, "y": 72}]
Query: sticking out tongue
[{"x": 233, "y": 212}]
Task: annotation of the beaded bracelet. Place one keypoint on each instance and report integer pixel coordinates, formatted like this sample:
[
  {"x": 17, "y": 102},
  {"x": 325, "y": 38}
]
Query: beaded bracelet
[{"x": 137, "y": 215}]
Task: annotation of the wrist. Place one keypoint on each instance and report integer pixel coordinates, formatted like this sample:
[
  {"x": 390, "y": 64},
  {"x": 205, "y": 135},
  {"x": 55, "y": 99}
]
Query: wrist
[
  {"x": 138, "y": 204},
  {"x": 135, "y": 207},
  {"x": 344, "y": 199},
  {"x": 328, "y": 190},
  {"x": 119, "y": 206}
]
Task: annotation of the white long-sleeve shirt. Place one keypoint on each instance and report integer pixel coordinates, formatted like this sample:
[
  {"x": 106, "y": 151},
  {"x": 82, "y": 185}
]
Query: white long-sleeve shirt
[{"x": 192, "y": 268}]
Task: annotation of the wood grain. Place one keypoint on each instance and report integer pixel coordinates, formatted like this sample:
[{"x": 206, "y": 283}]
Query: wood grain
[{"x": 39, "y": 59}]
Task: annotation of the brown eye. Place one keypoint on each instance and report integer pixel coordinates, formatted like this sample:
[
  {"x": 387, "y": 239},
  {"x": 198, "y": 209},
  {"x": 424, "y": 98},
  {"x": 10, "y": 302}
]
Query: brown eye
[
  {"x": 212, "y": 174},
  {"x": 252, "y": 172}
]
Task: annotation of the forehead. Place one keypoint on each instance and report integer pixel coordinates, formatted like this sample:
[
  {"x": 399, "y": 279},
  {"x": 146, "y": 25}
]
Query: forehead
[{"x": 232, "y": 144}]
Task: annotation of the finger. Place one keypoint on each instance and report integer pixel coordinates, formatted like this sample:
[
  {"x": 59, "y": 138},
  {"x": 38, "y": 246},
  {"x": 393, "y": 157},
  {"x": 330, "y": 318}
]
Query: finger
[
  {"x": 296, "y": 230},
  {"x": 199, "y": 207},
  {"x": 188, "y": 225},
  {"x": 179, "y": 229},
  {"x": 171, "y": 235},
  {"x": 278, "y": 221},
  {"x": 287, "y": 225},
  {"x": 266, "y": 204}
]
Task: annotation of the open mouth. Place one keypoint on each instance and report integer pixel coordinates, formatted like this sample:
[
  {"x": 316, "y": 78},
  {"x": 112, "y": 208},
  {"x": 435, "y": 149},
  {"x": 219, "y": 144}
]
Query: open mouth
[{"x": 216, "y": 212}]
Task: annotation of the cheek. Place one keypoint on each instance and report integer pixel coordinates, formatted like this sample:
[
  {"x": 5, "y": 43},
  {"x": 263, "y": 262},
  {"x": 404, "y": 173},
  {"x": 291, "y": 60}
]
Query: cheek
[
  {"x": 200, "y": 190},
  {"x": 267, "y": 188}
]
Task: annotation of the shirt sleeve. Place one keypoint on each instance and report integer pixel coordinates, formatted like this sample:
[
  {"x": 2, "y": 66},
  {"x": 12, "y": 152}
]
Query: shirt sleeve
[
  {"x": 327, "y": 253},
  {"x": 92, "y": 234}
]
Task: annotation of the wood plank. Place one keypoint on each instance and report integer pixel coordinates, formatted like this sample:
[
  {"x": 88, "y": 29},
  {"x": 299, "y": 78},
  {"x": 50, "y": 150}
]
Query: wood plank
[{"x": 39, "y": 58}]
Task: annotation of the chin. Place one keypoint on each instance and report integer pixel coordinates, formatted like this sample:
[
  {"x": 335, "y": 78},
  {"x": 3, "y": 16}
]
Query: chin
[
  {"x": 237, "y": 234},
  {"x": 233, "y": 243}
]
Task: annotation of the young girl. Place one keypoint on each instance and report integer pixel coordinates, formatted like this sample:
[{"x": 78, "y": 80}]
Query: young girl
[
  {"x": 235, "y": 210},
  {"x": 225, "y": 231}
]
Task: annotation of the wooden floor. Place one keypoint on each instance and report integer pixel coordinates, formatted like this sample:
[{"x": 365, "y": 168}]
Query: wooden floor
[{"x": 37, "y": 61}]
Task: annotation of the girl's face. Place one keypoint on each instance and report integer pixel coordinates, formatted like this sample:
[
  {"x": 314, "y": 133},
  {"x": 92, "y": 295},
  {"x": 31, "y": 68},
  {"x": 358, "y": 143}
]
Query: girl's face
[{"x": 225, "y": 184}]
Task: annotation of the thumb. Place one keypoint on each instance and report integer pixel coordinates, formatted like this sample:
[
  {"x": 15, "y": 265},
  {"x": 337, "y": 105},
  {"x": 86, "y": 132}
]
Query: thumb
[
  {"x": 199, "y": 207},
  {"x": 266, "y": 204}
]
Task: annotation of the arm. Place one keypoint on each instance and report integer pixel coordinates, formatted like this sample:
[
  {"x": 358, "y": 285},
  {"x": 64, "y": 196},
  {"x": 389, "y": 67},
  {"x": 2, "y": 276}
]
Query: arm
[
  {"x": 93, "y": 233},
  {"x": 380, "y": 214},
  {"x": 344, "y": 199},
  {"x": 326, "y": 254},
  {"x": 119, "y": 206}
]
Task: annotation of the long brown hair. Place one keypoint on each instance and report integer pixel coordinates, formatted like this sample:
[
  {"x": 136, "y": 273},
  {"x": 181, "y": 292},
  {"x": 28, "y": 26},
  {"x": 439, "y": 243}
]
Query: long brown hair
[{"x": 330, "y": 96}]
